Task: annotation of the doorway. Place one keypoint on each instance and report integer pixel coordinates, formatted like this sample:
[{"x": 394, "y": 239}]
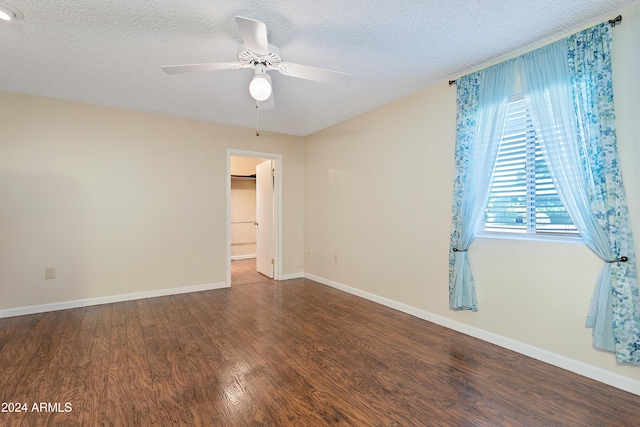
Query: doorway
[{"x": 254, "y": 217}]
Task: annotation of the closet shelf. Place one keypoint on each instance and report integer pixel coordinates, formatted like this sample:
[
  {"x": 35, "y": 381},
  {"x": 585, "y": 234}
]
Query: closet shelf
[{"x": 244, "y": 177}]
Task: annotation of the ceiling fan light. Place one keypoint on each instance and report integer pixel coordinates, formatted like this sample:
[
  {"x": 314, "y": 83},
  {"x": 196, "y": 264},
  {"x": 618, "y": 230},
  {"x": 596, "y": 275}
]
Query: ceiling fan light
[
  {"x": 260, "y": 87},
  {"x": 9, "y": 13},
  {"x": 6, "y": 15}
]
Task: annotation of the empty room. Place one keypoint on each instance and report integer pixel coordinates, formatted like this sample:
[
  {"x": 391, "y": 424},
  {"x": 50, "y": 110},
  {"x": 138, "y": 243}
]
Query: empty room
[{"x": 235, "y": 213}]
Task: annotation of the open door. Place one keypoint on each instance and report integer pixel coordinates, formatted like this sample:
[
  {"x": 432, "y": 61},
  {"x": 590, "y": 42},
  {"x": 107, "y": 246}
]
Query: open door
[{"x": 264, "y": 218}]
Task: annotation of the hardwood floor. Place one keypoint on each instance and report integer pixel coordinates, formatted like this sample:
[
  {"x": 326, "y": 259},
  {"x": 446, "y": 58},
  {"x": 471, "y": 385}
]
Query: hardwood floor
[
  {"x": 293, "y": 353},
  {"x": 244, "y": 271}
]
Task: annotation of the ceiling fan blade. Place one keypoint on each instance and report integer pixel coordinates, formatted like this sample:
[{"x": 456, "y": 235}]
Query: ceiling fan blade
[
  {"x": 254, "y": 34},
  {"x": 190, "y": 68},
  {"x": 313, "y": 73}
]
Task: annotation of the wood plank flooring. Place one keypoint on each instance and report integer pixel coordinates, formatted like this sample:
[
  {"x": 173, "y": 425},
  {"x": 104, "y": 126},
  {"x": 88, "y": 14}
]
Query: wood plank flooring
[
  {"x": 292, "y": 353},
  {"x": 244, "y": 271}
]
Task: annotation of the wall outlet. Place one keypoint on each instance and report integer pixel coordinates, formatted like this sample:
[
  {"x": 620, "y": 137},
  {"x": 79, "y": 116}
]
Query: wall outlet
[
  {"x": 50, "y": 273},
  {"x": 335, "y": 258}
]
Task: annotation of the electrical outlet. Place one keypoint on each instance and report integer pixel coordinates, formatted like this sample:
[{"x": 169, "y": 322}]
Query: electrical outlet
[
  {"x": 50, "y": 273},
  {"x": 335, "y": 258}
]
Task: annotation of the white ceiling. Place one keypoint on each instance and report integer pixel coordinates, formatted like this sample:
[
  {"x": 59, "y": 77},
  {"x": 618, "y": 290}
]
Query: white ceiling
[{"x": 109, "y": 52}]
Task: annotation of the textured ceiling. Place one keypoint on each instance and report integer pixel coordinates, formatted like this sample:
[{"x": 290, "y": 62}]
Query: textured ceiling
[{"x": 109, "y": 52}]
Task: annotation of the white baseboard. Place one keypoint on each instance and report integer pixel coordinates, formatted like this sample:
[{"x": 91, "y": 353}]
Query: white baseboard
[
  {"x": 292, "y": 276},
  {"x": 32, "y": 309},
  {"x": 237, "y": 257},
  {"x": 575, "y": 366}
]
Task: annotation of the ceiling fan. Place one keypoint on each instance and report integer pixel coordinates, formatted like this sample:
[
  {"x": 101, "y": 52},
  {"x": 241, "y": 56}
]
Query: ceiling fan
[{"x": 257, "y": 53}]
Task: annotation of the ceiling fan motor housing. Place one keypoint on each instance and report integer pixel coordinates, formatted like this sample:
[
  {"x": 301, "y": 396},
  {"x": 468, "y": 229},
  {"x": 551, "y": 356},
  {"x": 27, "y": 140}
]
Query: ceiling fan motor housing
[{"x": 249, "y": 58}]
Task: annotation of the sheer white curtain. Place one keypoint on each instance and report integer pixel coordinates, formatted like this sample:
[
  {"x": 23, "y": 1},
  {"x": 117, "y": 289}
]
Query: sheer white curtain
[
  {"x": 568, "y": 87},
  {"x": 482, "y": 103},
  {"x": 546, "y": 83}
]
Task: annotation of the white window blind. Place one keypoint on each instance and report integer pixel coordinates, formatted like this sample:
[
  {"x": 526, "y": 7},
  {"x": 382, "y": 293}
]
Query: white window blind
[{"x": 523, "y": 198}]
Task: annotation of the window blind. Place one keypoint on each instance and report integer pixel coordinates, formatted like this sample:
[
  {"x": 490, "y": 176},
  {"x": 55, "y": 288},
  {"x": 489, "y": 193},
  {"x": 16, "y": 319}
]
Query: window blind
[{"x": 523, "y": 197}]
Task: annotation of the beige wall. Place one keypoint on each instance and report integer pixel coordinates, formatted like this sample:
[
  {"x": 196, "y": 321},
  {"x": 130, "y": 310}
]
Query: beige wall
[
  {"x": 378, "y": 193},
  {"x": 121, "y": 202},
  {"x": 244, "y": 165}
]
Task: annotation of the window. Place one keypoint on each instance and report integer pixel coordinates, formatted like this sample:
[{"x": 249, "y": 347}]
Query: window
[{"x": 523, "y": 198}]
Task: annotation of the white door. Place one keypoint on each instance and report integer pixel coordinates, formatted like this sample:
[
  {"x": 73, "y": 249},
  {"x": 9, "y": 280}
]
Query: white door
[{"x": 264, "y": 218}]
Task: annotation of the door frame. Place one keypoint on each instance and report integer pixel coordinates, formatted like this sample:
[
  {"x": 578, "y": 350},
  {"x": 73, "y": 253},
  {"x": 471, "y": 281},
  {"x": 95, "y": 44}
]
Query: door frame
[{"x": 277, "y": 207}]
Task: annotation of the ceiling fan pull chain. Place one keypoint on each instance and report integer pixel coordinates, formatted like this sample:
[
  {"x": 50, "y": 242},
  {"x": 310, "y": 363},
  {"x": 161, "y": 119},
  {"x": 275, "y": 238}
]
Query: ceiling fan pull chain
[{"x": 257, "y": 119}]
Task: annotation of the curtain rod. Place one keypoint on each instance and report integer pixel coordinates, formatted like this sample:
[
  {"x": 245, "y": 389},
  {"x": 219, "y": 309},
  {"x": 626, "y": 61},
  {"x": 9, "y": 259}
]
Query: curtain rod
[{"x": 613, "y": 22}]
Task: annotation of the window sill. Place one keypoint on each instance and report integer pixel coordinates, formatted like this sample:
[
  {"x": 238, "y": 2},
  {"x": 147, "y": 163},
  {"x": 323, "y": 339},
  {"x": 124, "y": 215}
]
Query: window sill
[{"x": 532, "y": 237}]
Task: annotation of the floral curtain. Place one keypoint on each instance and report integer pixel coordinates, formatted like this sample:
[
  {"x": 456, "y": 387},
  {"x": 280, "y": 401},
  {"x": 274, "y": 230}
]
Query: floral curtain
[
  {"x": 482, "y": 103},
  {"x": 568, "y": 88},
  {"x": 614, "y": 313}
]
